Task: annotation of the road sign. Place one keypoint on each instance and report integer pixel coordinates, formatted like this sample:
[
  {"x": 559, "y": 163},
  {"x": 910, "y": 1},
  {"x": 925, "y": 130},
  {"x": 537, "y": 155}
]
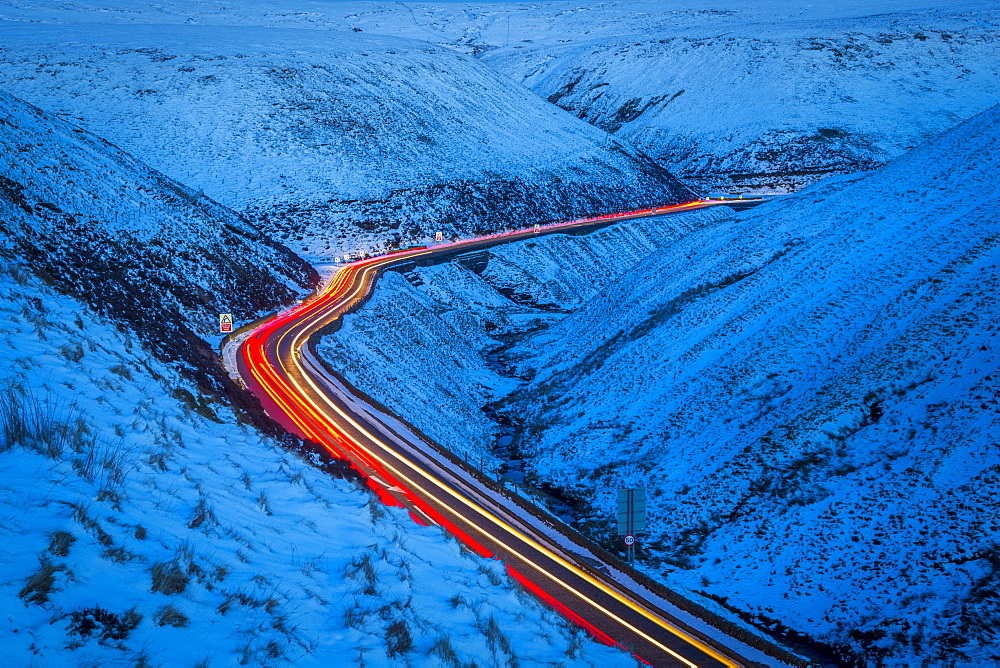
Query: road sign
[
  {"x": 631, "y": 516},
  {"x": 631, "y": 510},
  {"x": 225, "y": 323},
  {"x": 337, "y": 259},
  {"x": 439, "y": 236},
  {"x": 537, "y": 228}
]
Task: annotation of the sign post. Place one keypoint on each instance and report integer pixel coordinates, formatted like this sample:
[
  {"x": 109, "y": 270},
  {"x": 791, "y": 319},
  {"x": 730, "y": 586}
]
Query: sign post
[
  {"x": 631, "y": 516},
  {"x": 225, "y": 323}
]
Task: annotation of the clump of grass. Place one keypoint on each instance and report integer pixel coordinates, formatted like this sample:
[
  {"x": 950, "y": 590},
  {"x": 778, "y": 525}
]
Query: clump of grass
[
  {"x": 497, "y": 641},
  {"x": 81, "y": 513},
  {"x": 119, "y": 555},
  {"x": 264, "y": 503},
  {"x": 30, "y": 423},
  {"x": 202, "y": 513},
  {"x": 105, "y": 464},
  {"x": 60, "y": 542},
  {"x": 121, "y": 370},
  {"x": 158, "y": 460},
  {"x": 309, "y": 566},
  {"x": 200, "y": 404},
  {"x": 41, "y": 583},
  {"x": 240, "y": 597},
  {"x": 169, "y": 615},
  {"x": 355, "y": 616},
  {"x": 274, "y": 649},
  {"x": 73, "y": 353},
  {"x": 397, "y": 638},
  {"x": 575, "y": 645},
  {"x": 106, "y": 625},
  {"x": 443, "y": 650},
  {"x": 494, "y": 577},
  {"x": 42, "y": 426},
  {"x": 142, "y": 660},
  {"x": 364, "y": 567},
  {"x": 168, "y": 578}
]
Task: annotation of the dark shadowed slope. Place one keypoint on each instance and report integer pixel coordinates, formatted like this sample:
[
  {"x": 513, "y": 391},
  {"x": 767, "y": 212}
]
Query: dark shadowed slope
[{"x": 133, "y": 244}]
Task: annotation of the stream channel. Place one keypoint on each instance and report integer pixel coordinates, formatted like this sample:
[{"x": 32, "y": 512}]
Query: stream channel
[{"x": 512, "y": 472}]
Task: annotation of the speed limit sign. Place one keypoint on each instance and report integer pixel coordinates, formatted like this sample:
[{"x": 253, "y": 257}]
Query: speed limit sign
[{"x": 630, "y": 540}]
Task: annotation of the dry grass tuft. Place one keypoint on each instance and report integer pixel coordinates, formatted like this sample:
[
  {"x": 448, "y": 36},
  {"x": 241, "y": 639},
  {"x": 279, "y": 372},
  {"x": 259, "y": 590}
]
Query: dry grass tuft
[
  {"x": 169, "y": 615},
  {"x": 41, "y": 584}
]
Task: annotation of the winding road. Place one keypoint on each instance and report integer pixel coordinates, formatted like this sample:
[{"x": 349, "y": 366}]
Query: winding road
[{"x": 277, "y": 363}]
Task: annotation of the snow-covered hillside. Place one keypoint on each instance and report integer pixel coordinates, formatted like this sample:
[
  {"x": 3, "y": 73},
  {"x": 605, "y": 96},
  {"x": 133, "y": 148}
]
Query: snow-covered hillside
[
  {"x": 726, "y": 93},
  {"x": 332, "y": 140},
  {"x": 144, "y": 523},
  {"x": 442, "y": 319},
  {"x": 138, "y": 247},
  {"x": 807, "y": 390},
  {"x": 750, "y": 98},
  {"x": 139, "y": 532}
]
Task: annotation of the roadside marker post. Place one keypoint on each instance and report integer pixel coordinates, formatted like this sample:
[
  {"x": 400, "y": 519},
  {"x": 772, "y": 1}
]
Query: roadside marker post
[
  {"x": 225, "y": 323},
  {"x": 631, "y": 516},
  {"x": 439, "y": 236}
]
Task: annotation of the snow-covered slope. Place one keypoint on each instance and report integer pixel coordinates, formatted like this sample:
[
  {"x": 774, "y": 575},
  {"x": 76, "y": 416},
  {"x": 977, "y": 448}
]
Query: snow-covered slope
[
  {"x": 444, "y": 319},
  {"x": 145, "y": 250},
  {"x": 750, "y": 98},
  {"x": 808, "y": 391},
  {"x": 138, "y": 532},
  {"x": 333, "y": 140},
  {"x": 726, "y": 93},
  {"x": 144, "y": 522}
]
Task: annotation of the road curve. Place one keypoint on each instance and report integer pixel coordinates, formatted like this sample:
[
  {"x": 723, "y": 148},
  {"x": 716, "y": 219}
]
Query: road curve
[{"x": 277, "y": 364}]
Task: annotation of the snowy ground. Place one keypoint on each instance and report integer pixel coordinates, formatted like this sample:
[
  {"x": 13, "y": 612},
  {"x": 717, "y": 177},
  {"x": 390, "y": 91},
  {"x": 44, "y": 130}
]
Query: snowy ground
[
  {"x": 808, "y": 391},
  {"x": 144, "y": 521},
  {"x": 135, "y": 529},
  {"x": 758, "y": 97},
  {"x": 726, "y": 93},
  {"x": 359, "y": 124},
  {"x": 334, "y": 139}
]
